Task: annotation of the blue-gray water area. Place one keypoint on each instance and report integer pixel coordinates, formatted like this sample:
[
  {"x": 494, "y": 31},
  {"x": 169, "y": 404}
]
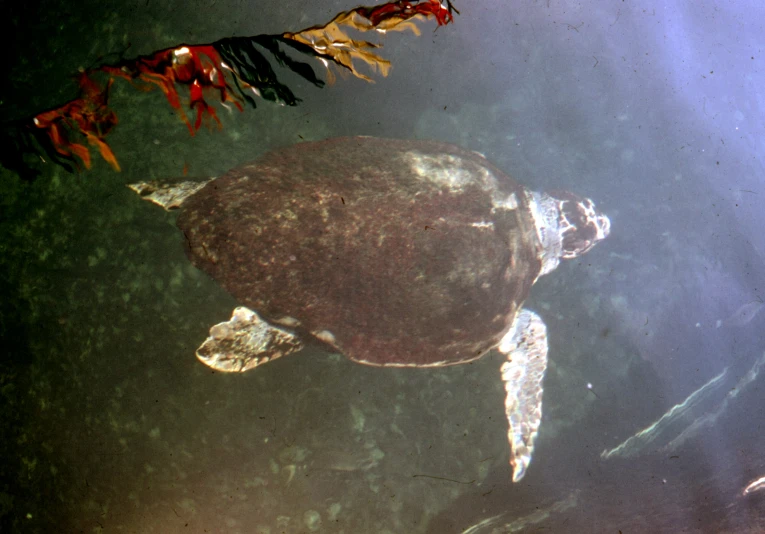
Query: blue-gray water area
[{"x": 651, "y": 413}]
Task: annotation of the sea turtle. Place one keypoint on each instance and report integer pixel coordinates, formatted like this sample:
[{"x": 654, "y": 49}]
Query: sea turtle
[{"x": 393, "y": 253}]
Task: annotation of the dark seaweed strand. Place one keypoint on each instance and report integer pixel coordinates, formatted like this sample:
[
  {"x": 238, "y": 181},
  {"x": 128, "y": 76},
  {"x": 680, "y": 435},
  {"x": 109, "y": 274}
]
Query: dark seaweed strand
[
  {"x": 253, "y": 68},
  {"x": 451, "y": 8},
  {"x": 304, "y": 70},
  {"x": 20, "y": 143}
]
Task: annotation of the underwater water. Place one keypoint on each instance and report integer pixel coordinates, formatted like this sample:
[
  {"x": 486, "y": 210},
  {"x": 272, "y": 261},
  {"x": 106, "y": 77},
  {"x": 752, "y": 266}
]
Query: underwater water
[{"x": 652, "y": 416}]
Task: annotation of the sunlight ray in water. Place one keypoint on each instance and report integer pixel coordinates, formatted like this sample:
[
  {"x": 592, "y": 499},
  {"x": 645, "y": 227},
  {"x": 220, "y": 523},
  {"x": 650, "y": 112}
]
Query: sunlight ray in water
[{"x": 663, "y": 427}]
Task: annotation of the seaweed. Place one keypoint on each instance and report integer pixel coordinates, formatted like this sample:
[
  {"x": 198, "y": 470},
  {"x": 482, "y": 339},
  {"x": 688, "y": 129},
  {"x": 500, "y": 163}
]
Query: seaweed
[{"x": 235, "y": 69}]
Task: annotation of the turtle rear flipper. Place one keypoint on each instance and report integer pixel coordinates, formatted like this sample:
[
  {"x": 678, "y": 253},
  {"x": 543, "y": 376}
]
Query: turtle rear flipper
[
  {"x": 244, "y": 342},
  {"x": 525, "y": 346},
  {"x": 168, "y": 195}
]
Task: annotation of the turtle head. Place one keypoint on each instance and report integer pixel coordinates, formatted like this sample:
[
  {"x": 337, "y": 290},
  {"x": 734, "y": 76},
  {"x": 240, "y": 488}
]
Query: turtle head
[
  {"x": 580, "y": 224},
  {"x": 567, "y": 225}
]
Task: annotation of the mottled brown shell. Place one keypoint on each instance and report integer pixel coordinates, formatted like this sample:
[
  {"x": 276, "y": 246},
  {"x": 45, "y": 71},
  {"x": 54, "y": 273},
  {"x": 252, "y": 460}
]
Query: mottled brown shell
[{"x": 408, "y": 253}]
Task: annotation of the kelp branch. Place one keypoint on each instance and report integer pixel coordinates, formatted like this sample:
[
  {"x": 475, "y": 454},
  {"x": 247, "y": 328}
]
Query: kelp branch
[{"x": 233, "y": 71}]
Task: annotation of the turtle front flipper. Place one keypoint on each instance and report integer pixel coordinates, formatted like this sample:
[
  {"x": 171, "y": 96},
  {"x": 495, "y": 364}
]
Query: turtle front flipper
[
  {"x": 525, "y": 346},
  {"x": 244, "y": 342}
]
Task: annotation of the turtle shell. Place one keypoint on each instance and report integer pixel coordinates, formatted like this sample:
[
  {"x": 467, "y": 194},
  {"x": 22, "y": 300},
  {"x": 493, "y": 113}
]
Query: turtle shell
[{"x": 396, "y": 253}]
